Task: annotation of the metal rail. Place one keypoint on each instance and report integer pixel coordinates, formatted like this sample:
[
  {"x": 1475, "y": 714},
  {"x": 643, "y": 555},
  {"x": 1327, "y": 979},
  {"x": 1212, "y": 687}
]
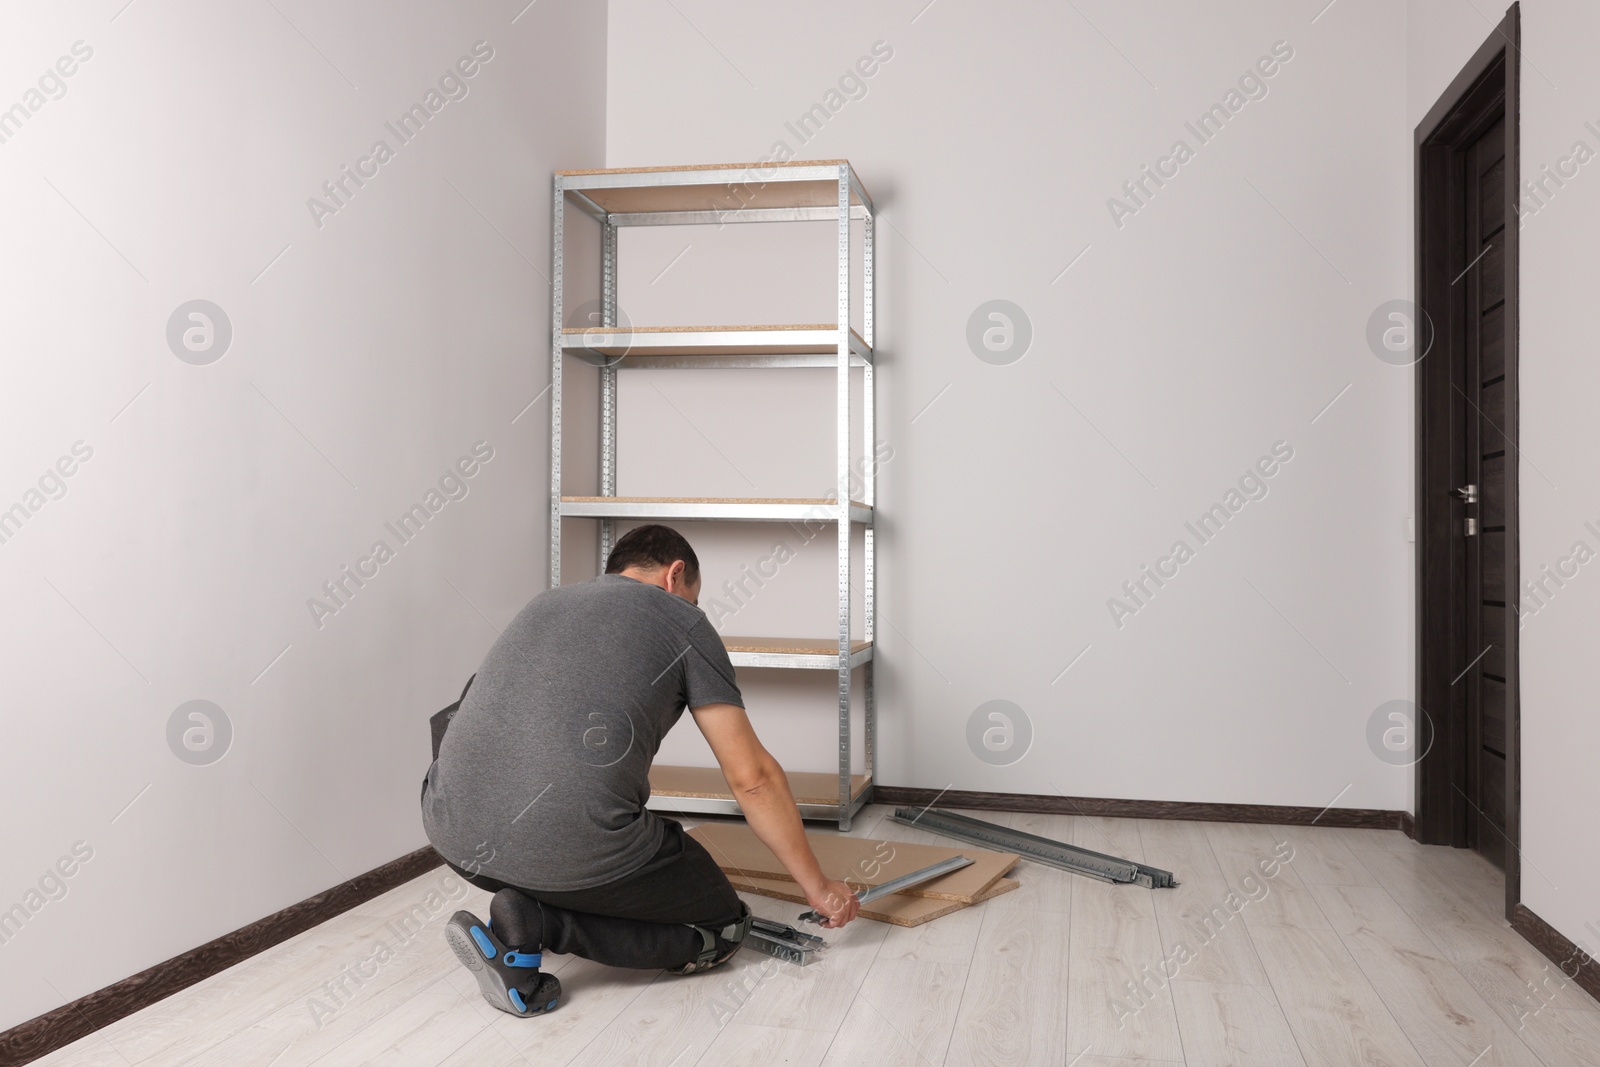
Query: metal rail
[
  {"x": 895, "y": 885},
  {"x": 1039, "y": 849},
  {"x": 783, "y": 941}
]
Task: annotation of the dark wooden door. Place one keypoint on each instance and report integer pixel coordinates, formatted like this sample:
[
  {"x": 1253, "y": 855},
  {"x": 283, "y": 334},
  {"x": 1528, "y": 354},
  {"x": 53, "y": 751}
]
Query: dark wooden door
[
  {"x": 1467, "y": 534},
  {"x": 1486, "y": 458}
]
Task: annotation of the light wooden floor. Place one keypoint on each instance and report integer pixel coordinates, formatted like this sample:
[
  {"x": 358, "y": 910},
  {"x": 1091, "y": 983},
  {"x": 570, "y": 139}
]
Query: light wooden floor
[{"x": 1364, "y": 949}]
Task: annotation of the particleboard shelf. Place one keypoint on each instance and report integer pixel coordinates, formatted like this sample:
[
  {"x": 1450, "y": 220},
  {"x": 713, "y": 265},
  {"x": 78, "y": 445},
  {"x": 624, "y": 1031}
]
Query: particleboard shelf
[
  {"x": 686, "y": 785},
  {"x": 897, "y": 909},
  {"x": 711, "y": 508},
  {"x": 793, "y": 652},
  {"x": 861, "y": 861},
  {"x": 807, "y": 500},
  {"x": 713, "y": 188},
  {"x": 642, "y": 344},
  {"x": 698, "y": 168}
]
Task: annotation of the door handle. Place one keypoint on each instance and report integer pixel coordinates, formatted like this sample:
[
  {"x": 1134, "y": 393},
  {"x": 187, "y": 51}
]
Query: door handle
[{"x": 1467, "y": 494}]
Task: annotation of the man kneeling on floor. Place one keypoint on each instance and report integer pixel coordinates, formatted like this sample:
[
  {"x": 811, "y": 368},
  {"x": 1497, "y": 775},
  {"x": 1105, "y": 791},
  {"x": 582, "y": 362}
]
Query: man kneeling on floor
[{"x": 538, "y": 787}]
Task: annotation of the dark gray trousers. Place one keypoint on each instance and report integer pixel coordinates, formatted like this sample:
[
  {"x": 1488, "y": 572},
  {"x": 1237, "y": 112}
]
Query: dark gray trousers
[{"x": 641, "y": 920}]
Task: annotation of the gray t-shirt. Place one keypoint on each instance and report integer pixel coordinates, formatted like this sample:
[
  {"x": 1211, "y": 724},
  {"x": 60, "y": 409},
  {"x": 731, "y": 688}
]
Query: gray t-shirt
[{"x": 543, "y": 774}]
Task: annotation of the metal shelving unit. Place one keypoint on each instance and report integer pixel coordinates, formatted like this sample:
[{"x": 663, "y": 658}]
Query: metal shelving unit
[{"x": 825, "y": 190}]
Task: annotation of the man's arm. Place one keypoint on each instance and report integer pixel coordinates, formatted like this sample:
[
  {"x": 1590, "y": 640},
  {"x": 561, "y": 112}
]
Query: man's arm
[{"x": 762, "y": 791}]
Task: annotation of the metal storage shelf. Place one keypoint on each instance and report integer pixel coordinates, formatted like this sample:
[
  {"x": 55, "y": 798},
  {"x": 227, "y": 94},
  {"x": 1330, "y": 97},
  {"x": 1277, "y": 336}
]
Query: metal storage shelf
[
  {"x": 735, "y": 509},
  {"x": 824, "y": 190}
]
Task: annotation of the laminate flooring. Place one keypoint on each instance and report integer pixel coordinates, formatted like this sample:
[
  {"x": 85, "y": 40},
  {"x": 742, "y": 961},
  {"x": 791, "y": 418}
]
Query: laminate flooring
[{"x": 1283, "y": 947}]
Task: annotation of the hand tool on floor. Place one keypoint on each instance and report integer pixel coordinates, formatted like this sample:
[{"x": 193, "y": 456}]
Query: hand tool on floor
[
  {"x": 905, "y": 881},
  {"x": 1039, "y": 849},
  {"x": 783, "y": 941}
]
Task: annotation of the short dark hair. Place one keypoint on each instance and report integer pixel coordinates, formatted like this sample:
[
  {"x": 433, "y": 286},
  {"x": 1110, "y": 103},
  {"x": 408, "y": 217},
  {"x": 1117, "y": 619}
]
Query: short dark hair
[{"x": 653, "y": 545}]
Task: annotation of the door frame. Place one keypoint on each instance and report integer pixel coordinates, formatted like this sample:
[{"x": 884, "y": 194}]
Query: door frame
[{"x": 1442, "y": 807}]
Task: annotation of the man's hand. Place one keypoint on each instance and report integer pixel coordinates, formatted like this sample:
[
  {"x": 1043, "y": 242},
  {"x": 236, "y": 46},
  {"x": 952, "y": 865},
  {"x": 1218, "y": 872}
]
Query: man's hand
[
  {"x": 837, "y": 901},
  {"x": 762, "y": 790}
]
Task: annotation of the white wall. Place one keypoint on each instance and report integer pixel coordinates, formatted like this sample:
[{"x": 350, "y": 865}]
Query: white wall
[
  {"x": 1221, "y": 318},
  {"x": 1557, "y": 476},
  {"x": 369, "y": 356}
]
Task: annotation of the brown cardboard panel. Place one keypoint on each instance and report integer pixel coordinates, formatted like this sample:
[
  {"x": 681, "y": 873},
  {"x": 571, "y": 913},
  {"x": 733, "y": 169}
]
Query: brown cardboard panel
[
  {"x": 896, "y": 908},
  {"x": 858, "y": 860}
]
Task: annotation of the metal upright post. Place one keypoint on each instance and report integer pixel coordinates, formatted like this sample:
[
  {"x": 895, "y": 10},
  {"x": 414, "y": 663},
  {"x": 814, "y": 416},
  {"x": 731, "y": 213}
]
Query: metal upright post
[
  {"x": 556, "y": 227},
  {"x": 869, "y": 479},
  {"x": 608, "y": 383},
  {"x": 843, "y": 500}
]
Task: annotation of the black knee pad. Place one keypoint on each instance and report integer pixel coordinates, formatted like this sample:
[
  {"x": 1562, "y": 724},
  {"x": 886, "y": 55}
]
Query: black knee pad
[
  {"x": 518, "y": 920},
  {"x": 718, "y": 944}
]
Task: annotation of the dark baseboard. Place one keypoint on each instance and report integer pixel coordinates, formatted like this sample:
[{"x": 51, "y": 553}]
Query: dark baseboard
[
  {"x": 1575, "y": 963},
  {"x": 28, "y": 1041},
  {"x": 1359, "y": 818}
]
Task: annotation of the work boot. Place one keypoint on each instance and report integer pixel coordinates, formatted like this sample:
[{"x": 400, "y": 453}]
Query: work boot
[{"x": 508, "y": 978}]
